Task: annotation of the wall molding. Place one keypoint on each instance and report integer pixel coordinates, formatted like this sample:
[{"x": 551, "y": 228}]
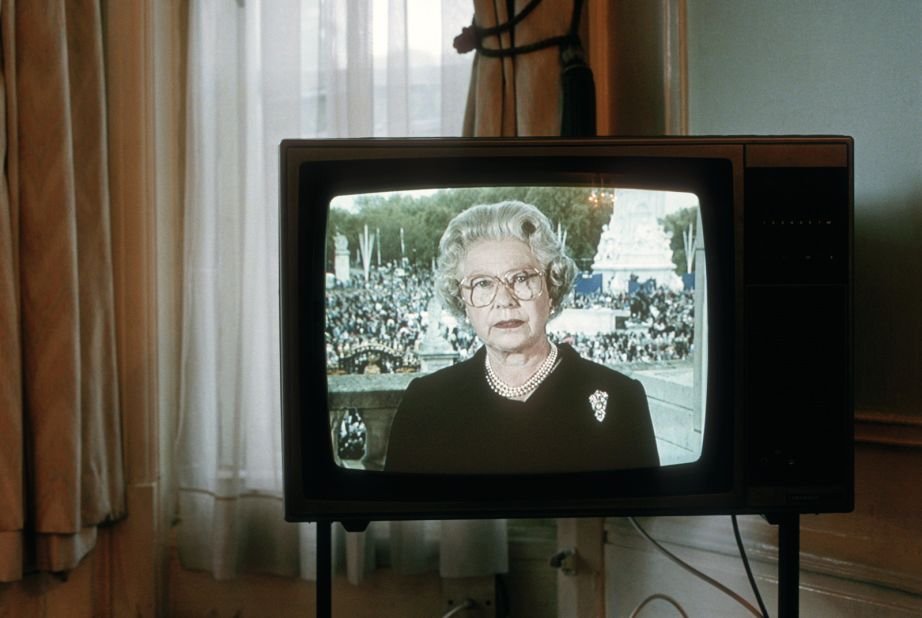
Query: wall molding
[{"x": 888, "y": 429}]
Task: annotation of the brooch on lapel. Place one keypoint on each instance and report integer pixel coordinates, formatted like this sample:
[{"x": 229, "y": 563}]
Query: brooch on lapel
[{"x": 598, "y": 400}]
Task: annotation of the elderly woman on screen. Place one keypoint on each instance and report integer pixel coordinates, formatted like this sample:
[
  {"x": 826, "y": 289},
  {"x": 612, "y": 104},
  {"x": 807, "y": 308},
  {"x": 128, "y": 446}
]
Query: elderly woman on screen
[{"x": 522, "y": 403}]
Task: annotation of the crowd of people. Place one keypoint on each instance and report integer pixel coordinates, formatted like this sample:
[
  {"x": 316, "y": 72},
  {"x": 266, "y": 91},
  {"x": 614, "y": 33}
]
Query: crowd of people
[
  {"x": 661, "y": 327},
  {"x": 601, "y": 300},
  {"x": 390, "y": 311}
]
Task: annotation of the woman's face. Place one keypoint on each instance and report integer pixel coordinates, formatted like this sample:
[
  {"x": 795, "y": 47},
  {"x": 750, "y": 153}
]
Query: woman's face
[{"x": 507, "y": 324}]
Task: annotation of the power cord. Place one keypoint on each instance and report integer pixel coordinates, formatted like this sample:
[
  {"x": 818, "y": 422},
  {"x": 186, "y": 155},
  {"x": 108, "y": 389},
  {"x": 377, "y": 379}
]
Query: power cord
[
  {"x": 463, "y": 605},
  {"x": 752, "y": 579},
  {"x": 713, "y": 582},
  {"x": 664, "y": 597}
]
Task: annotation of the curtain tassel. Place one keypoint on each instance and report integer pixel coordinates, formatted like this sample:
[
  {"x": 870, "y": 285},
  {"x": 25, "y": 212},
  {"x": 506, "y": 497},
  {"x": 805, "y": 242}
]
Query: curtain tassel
[{"x": 577, "y": 94}]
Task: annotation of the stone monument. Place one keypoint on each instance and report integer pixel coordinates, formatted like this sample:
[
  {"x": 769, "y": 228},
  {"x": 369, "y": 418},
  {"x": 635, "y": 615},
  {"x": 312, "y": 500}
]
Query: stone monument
[
  {"x": 341, "y": 263},
  {"x": 435, "y": 352},
  {"x": 635, "y": 243}
]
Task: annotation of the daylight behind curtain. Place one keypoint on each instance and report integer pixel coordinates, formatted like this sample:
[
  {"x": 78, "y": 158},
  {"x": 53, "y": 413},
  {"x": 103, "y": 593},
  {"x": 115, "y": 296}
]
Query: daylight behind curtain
[
  {"x": 258, "y": 73},
  {"x": 60, "y": 442}
]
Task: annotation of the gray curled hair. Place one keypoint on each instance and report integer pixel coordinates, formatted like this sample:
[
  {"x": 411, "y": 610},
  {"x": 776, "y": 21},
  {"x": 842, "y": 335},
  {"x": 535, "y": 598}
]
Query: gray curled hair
[{"x": 502, "y": 221}]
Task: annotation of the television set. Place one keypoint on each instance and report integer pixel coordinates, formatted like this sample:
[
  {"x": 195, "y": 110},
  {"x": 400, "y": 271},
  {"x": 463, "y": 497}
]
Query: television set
[{"x": 714, "y": 271}]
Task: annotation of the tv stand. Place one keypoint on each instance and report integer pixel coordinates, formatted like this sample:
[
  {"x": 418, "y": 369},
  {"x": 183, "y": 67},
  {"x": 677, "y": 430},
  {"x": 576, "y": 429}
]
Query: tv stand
[
  {"x": 788, "y": 562},
  {"x": 788, "y": 565},
  {"x": 324, "y": 583}
]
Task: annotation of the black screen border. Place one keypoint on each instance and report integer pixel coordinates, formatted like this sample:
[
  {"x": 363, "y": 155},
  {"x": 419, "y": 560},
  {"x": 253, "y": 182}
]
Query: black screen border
[{"x": 313, "y": 172}]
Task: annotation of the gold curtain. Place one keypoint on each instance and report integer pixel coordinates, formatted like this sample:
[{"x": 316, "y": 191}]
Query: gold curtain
[
  {"x": 518, "y": 95},
  {"x": 61, "y": 464}
]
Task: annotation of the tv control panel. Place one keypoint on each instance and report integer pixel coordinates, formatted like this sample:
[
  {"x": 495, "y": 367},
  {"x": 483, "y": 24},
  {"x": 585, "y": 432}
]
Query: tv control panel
[{"x": 796, "y": 250}]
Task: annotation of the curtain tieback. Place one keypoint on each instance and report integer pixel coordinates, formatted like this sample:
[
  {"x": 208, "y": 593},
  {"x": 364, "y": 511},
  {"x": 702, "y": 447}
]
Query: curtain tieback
[{"x": 471, "y": 37}]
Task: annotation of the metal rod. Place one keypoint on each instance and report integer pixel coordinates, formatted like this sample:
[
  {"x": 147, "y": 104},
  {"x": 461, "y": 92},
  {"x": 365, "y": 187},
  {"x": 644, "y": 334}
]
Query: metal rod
[
  {"x": 789, "y": 566},
  {"x": 324, "y": 589}
]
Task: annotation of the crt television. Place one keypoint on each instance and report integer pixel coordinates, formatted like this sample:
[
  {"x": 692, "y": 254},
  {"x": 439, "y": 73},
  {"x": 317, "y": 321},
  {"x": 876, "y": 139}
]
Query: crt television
[{"x": 715, "y": 271}]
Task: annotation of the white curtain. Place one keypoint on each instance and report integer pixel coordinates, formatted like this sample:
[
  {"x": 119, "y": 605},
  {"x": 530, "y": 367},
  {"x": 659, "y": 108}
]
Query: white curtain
[{"x": 259, "y": 72}]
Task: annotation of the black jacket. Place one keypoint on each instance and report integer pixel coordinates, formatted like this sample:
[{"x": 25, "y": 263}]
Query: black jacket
[{"x": 452, "y": 422}]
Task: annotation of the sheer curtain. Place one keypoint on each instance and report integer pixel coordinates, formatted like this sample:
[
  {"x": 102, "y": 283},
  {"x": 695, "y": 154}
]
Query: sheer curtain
[{"x": 259, "y": 72}]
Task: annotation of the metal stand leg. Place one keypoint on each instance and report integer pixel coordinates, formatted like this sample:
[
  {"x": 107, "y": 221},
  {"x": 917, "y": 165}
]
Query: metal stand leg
[
  {"x": 324, "y": 596},
  {"x": 788, "y": 566}
]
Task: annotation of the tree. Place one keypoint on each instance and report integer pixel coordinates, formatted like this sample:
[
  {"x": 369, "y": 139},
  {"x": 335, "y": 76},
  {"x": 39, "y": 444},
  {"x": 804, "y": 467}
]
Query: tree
[
  {"x": 423, "y": 218},
  {"x": 675, "y": 225}
]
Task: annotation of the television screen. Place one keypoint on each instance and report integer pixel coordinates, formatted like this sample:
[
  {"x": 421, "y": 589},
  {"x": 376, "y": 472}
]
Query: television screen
[
  {"x": 566, "y": 327},
  {"x": 634, "y": 305}
]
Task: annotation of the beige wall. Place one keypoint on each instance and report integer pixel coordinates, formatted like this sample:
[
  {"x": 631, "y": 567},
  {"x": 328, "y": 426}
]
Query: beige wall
[{"x": 791, "y": 67}]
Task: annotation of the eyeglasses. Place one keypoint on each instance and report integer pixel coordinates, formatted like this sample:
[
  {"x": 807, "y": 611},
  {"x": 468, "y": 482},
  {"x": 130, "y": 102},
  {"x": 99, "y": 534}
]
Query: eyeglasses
[{"x": 523, "y": 284}]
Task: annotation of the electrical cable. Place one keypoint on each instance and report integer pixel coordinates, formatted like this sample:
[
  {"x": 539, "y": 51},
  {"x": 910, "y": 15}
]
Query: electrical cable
[
  {"x": 736, "y": 597},
  {"x": 664, "y": 597},
  {"x": 752, "y": 579}
]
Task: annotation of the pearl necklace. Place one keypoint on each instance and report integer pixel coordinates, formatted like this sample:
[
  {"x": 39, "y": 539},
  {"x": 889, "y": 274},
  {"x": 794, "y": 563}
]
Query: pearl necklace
[{"x": 516, "y": 392}]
